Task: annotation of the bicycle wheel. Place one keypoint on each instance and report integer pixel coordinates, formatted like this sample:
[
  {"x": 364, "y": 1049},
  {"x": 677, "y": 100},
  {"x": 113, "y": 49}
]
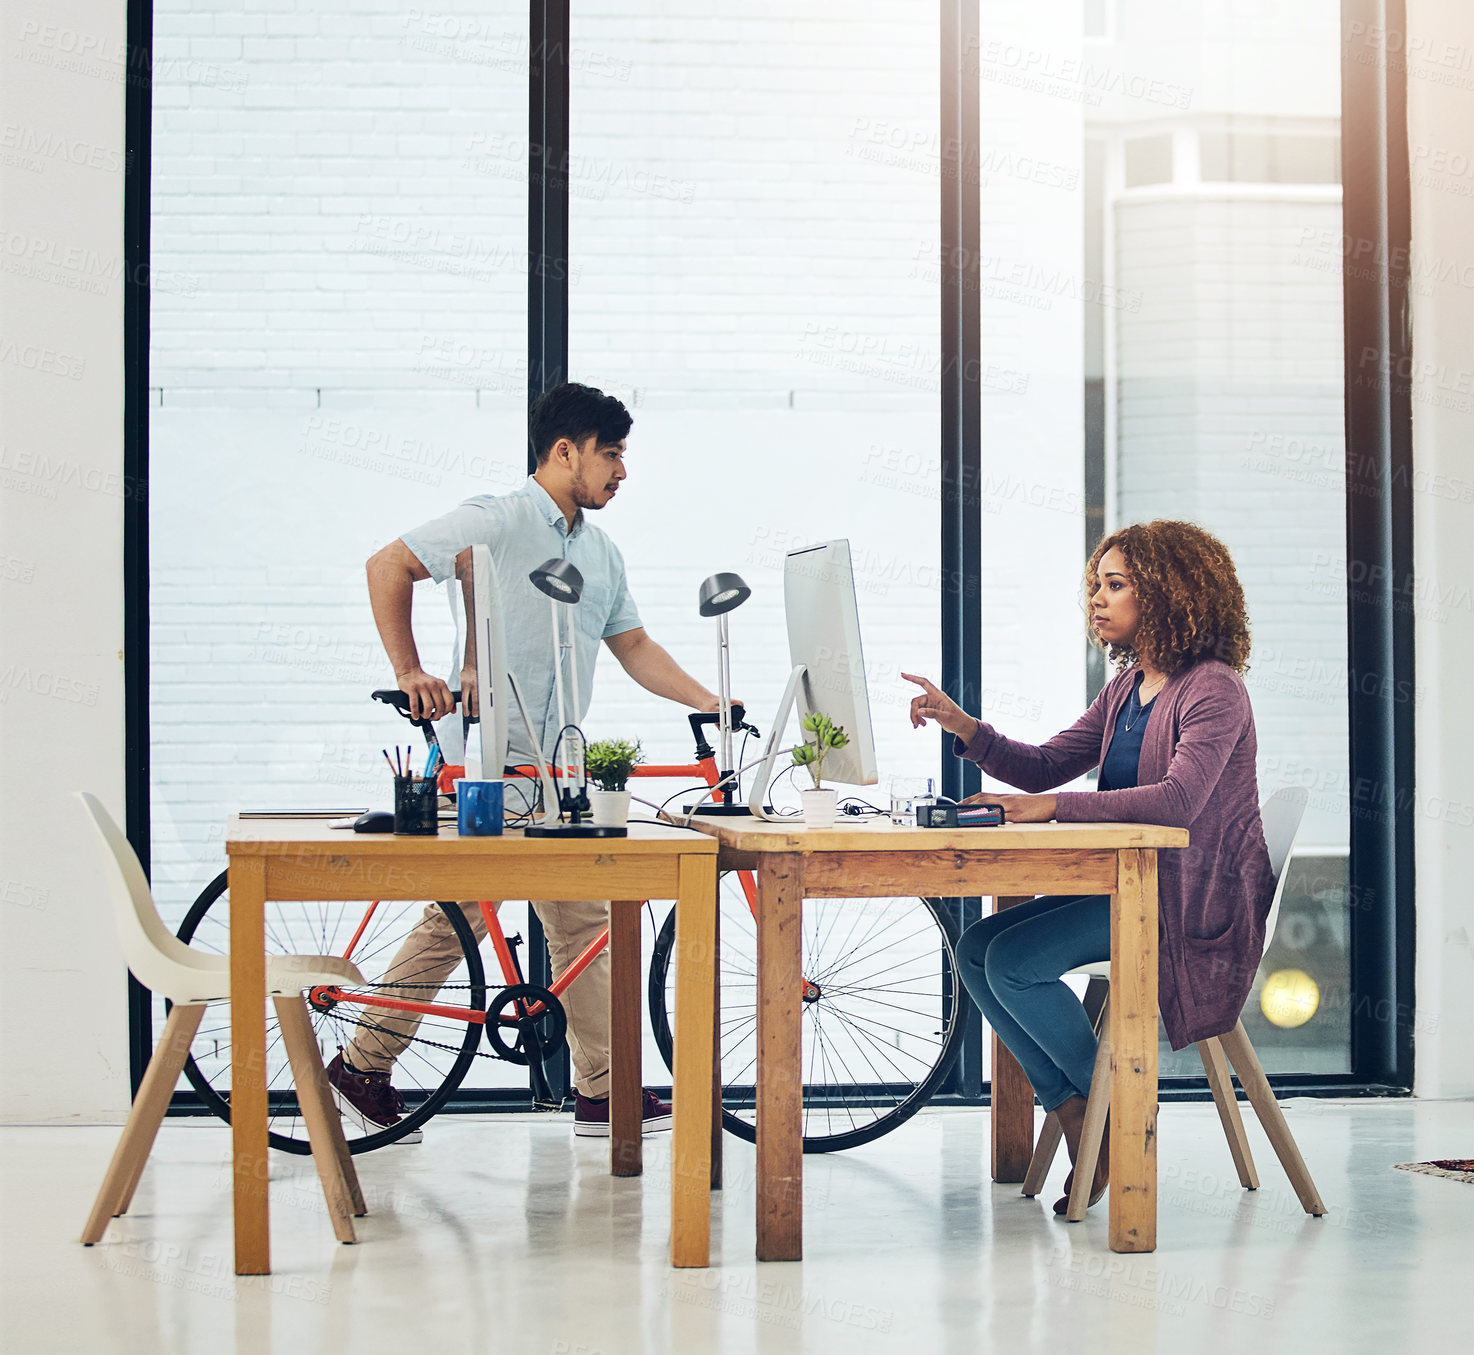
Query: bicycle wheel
[
  {"x": 881, "y": 1020},
  {"x": 428, "y": 1071}
]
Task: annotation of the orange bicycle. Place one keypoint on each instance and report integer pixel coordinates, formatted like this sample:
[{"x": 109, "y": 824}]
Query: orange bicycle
[{"x": 881, "y": 1001}]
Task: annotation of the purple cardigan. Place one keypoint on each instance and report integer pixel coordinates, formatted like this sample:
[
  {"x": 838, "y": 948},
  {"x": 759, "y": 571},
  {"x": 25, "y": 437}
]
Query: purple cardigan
[{"x": 1196, "y": 772}]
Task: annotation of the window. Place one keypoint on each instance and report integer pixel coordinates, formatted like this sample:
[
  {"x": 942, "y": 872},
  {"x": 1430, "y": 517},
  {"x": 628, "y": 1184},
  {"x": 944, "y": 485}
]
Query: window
[
  {"x": 1203, "y": 333},
  {"x": 1269, "y": 157},
  {"x": 1148, "y": 160},
  {"x": 338, "y": 331}
]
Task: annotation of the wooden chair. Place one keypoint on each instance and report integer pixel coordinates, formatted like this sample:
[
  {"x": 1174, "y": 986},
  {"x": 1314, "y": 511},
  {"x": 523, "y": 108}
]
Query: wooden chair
[
  {"x": 191, "y": 980},
  {"x": 1281, "y": 813}
]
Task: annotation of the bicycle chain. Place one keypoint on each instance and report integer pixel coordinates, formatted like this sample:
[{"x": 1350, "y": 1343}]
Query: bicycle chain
[
  {"x": 436, "y": 1044},
  {"x": 451, "y": 1048},
  {"x": 427, "y": 985}
]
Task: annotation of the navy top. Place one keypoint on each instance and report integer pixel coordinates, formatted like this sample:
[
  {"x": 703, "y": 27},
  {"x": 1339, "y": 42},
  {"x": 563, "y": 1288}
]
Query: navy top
[{"x": 1118, "y": 771}]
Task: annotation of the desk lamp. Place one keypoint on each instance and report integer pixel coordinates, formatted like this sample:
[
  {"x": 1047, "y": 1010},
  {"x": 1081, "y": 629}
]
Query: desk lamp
[
  {"x": 563, "y": 585},
  {"x": 720, "y": 594}
]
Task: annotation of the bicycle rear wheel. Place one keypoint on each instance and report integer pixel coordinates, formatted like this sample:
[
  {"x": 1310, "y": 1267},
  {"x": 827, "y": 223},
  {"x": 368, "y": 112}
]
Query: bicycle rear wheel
[
  {"x": 881, "y": 1018},
  {"x": 429, "y": 1070}
]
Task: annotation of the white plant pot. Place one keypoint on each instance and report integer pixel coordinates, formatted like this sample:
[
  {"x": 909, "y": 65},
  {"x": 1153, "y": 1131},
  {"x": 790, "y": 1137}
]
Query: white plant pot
[
  {"x": 611, "y": 808},
  {"x": 818, "y": 808}
]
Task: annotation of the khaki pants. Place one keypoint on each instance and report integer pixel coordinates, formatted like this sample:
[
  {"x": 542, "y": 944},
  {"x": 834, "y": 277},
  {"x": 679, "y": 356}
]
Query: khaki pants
[{"x": 431, "y": 952}]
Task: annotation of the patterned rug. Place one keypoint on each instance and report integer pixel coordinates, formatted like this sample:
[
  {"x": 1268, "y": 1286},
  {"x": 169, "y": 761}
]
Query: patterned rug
[{"x": 1450, "y": 1168}]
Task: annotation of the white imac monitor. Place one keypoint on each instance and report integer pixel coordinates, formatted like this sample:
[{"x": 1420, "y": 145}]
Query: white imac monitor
[
  {"x": 487, "y": 685},
  {"x": 824, "y": 637},
  {"x": 485, "y": 691},
  {"x": 828, "y": 665}
]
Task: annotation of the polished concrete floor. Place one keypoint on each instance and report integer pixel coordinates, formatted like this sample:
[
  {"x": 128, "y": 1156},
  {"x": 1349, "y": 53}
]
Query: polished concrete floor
[{"x": 507, "y": 1235}]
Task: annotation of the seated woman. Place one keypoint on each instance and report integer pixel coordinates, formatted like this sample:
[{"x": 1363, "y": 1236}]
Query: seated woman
[{"x": 1173, "y": 736}]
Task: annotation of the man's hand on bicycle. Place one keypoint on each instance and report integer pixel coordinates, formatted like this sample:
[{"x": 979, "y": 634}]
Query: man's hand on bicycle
[
  {"x": 469, "y": 706},
  {"x": 429, "y": 697}
]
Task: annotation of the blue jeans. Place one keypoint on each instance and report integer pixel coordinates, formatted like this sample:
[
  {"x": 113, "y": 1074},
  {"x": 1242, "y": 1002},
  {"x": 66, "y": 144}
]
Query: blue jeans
[{"x": 1011, "y": 963}]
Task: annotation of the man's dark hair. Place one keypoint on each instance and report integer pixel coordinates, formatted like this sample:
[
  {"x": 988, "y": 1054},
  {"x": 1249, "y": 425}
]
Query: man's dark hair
[{"x": 577, "y": 413}]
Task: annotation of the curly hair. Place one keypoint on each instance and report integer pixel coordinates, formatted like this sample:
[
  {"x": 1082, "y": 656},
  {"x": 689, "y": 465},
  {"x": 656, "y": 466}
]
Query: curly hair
[{"x": 1190, "y": 599}]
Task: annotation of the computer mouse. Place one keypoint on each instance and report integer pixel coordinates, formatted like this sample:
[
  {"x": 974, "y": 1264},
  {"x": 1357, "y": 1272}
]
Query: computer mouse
[{"x": 375, "y": 821}]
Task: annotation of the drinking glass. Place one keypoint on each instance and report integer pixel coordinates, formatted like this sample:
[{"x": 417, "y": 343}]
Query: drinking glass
[{"x": 906, "y": 793}]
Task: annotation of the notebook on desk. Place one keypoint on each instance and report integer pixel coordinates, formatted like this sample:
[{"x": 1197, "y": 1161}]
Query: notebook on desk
[{"x": 300, "y": 813}]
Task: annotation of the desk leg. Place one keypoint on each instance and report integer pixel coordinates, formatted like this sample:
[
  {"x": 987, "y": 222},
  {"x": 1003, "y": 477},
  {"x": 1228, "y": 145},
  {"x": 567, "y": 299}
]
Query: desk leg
[
  {"x": 248, "y": 1065},
  {"x": 625, "y": 1007},
  {"x": 780, "y": 1149},
  {"x": 1134, "y": 1053},
  {"x": 1013, "y": 1101},
  {"x": 690, "y": 1150},
  {"x": 716, "y": 1046}
]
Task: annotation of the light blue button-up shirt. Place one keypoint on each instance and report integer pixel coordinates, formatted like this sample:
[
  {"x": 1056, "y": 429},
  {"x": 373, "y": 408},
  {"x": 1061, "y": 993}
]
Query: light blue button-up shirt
[{"x": 523, "y": 529}]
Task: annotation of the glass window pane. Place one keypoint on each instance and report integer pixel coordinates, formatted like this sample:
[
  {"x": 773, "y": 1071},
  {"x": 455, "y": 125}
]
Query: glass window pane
[
  {"x": 1269, "y": 157},
  {"x": 758, "y": 276},
  {"x": 1148, "y": 160},
  {"x": 338, "y": 353},
  {"x": 1205, "y": 331}
]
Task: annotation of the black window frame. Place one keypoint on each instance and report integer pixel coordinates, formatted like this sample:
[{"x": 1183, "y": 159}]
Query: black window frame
[{"x": 1376, "y": 212}]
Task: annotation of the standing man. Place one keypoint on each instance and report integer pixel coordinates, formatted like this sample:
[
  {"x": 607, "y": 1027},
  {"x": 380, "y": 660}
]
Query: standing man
[{"x": 578, "y": 435}]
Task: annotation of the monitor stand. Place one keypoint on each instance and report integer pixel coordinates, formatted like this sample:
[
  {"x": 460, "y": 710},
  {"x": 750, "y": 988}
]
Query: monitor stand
[
  {"x": 550, "y": 791},
  {"x": 764, "y": 777},
  {"x": 723, "y": 811}
]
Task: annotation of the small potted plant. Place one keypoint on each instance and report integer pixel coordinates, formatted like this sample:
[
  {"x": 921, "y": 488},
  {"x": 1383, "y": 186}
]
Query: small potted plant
[
  {"x": 609, "y": 763},
  {"x": 821, "y": 737}
]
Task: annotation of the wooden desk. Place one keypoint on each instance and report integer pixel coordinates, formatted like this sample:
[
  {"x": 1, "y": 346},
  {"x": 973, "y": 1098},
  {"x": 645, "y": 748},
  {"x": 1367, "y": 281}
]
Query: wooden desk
[
  {"x": 875, "y": 859},
  {"x": 294, "y": 859}
]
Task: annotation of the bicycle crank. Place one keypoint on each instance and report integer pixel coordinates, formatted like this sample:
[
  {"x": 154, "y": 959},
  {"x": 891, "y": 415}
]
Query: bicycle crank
[
  {"x": 524, "y": 1022},
  {"x": 324, "y": 997}
]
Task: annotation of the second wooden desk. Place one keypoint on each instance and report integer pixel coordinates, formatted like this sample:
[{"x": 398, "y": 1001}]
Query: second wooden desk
[{"x": 871, "y": 860}]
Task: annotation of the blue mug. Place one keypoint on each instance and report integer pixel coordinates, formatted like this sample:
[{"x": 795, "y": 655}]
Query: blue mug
[{"x": 479, "y": 808}]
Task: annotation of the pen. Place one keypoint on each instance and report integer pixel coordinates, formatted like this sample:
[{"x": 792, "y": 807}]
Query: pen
[{"x": 385, "y": 752}]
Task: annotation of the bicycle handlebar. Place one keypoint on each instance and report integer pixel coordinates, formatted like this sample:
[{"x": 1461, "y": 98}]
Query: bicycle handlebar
[
  {"x": 698, "y": 721},
  {"x": 399, "y": 701}
]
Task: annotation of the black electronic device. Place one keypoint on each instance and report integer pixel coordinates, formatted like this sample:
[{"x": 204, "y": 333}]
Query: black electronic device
[
  {"x": 375, "y": 821},
  {"x": 959, "y": 816}
]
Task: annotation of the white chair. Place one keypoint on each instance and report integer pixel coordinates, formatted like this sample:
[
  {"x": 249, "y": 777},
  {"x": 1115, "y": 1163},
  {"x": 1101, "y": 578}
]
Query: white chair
[
  {"x": 1281, "y": 814},
  {"x": 191, "y": 980}
]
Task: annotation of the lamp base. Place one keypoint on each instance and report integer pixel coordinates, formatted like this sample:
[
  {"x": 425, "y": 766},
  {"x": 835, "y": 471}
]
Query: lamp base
[
  {"x": 573, "y": 830},
  {"x": 720, "y": 810}
]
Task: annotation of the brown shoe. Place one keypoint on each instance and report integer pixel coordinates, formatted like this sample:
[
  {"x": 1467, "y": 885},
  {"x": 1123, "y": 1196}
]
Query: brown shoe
[
  {"x": 1062, "y": 1206},
  {"x": 368, "y": 1100},
  {"x": 591, "y": 1118}
]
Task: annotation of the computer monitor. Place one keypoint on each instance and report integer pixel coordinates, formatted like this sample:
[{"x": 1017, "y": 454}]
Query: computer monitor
[
  {"x": 824, "y": 637},
  {"x": 488, "y": 688},
  {"x": 828, "y": 672},
  {"x": 485, "y": 692}
]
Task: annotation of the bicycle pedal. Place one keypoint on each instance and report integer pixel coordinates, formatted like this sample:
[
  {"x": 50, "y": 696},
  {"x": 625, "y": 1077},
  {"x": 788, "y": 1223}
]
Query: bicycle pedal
[{"x": 547, "y": 1107}]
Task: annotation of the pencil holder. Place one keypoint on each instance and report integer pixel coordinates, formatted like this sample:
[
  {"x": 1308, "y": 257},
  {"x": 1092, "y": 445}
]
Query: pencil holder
[{"x": 416, "y": 805}]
